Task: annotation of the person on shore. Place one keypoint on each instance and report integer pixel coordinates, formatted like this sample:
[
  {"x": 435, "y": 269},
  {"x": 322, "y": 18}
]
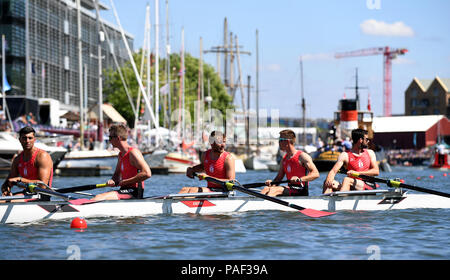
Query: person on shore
[
  {"x": 296, "y": 165},
  {"x": 32, "y": 165},
  {"x": 215, "y": 162},
  {"x": 359, "y": 159},
  {"x": 131, "y": 169}
]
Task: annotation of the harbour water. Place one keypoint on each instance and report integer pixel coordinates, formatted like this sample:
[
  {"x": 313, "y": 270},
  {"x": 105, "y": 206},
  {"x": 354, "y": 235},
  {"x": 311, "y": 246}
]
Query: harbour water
[{"x": 261, "y": 235}]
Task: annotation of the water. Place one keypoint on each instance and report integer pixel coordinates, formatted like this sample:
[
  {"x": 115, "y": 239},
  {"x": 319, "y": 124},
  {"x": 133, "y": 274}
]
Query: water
[{"x": 259, "y": 235}]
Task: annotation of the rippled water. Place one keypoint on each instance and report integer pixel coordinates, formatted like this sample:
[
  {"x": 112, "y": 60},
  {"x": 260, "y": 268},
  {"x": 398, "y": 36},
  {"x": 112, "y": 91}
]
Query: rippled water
[{"x": 260, "y": 235}]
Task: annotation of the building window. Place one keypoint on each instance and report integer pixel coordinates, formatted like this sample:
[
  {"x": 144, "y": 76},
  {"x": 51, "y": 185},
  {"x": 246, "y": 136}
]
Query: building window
[
  {"x": 414, "y": 92},
  {"x": 413, "y": 112},
  {"x": 435, "y": 91},
  {"x": 436, "y": 112}
]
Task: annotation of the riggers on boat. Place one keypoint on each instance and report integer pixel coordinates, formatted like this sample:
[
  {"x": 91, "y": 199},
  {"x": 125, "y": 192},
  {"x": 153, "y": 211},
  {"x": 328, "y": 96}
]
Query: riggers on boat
[{"x": 213, "y": 203}]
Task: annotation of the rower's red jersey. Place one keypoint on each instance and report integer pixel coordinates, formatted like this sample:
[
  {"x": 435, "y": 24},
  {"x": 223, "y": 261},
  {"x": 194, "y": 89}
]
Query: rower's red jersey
[
  {"x": 215, "y": 168},
  {"x": 292, "y": 166},
  {"x": 127, "y": 170},
  {"x": 358, "y": 163},
  {"x": 29, "y": 170}
]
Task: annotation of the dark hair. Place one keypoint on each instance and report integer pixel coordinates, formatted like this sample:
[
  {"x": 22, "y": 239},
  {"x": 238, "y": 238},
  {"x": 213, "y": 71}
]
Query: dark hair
[
  {"x": 217, "y": 133},
  {"x": 119, "y": 130},
  {"x": 288, "y": 134},
  {"x": 25, "y": 130},
  {"x": 358, "y": 134}
]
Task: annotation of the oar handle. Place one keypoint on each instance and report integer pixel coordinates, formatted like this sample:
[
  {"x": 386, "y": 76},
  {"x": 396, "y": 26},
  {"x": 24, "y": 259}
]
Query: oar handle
[
  {"x": 257, "y": 185},
  {"x": 397, "y": 184},
  {"x": 33, "y": 188},
  {"x": 82, "y": 188}
]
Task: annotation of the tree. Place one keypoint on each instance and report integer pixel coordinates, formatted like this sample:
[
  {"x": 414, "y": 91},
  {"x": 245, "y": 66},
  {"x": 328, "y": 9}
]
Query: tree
[{"x": 116, "y": 94}]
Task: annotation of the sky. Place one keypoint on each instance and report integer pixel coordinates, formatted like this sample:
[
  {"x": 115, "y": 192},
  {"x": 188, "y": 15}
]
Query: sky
[{"x": 314, "y": 30}]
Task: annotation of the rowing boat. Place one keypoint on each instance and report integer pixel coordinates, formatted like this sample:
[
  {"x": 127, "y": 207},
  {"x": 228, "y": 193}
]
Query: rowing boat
[{"x": 214, "y": 203}]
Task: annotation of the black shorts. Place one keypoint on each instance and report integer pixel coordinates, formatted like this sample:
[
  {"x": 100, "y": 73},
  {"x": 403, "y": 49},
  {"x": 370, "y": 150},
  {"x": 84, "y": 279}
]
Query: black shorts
[
  {"x": 295, "y": 190},
  {"x": 130, "y": 193}
]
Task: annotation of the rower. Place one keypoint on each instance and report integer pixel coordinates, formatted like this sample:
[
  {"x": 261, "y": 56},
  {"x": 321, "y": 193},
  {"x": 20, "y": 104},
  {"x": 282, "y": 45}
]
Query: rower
[
  {"x": 296, "y": 165},
  {"x": 359, "y": 159},
  {"x": 131, "y": 169},
  {"x": 215, "y": 162},
  {"x": 32, "y": 165}
]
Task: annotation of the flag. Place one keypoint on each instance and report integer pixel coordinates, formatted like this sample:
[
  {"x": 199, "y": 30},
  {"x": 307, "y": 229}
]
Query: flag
[
  {"x": 164, "y": 90},
  {"x": 369, "y": 108},
  {"x": 6, "y": 85}
]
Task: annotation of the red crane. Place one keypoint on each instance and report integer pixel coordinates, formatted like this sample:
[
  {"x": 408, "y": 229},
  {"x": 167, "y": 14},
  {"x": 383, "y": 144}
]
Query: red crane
[{"x": 389, "y": 55}]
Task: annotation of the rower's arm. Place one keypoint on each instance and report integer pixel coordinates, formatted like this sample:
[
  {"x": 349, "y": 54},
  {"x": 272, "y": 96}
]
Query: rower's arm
[
  {"x": 137, "y": 160},
  {"x": 45, "y": 167},
  {"x": 342, "y": 159},
  {"x": 307, "y": 161},
  {"x": 196, "y": 168}
]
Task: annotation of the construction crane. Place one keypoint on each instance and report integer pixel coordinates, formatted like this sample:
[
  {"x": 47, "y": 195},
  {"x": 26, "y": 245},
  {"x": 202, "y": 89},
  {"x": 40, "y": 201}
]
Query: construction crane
[{"x": 389, "y": 54}]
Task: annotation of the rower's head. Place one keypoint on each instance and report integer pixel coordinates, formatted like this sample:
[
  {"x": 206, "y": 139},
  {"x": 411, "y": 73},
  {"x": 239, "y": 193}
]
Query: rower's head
[
  {"x": 287, "y": 136},
  {"x": 27, "y": 137},
  {"x": 118, "y": 132},
  {"x": 217, "y": 139},
  {"x": 360, "y": 136}
]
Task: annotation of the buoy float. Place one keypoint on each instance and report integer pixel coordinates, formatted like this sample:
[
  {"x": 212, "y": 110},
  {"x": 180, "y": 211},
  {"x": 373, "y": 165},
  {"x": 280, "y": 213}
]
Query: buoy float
[
  {"x": 78, "y": 223},
  {"x": 445, "y": 174},
  {"x": 431, "y": 176},
  {"x": 418, "y": 178},
  {"x": 402, "y": 181}
]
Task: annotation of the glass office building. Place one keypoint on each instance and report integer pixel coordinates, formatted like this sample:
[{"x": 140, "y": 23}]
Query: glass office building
[{"x": 42, "y": 54}]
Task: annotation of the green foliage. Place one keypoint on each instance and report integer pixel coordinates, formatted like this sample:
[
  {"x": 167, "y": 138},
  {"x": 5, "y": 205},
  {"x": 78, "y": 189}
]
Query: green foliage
[{"x": 116, "y": 94}]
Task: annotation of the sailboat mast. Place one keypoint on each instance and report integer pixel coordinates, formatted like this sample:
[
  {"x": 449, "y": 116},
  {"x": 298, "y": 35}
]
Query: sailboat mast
[
  {"x": 168, "y": 66},
  {"x": 303, "y": 103},
  {"x": 182, "y": 85},
  {"x": 157, "y": 61},
  {"x": 257, "y": 90},
  {"x": 80, "y": 74}
]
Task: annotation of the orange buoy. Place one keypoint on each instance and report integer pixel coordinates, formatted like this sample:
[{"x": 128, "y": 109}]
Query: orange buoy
[
  {"x": 431, "y": 176},
  {"x": 78, "y": 223},
  {"x": 418, "y": 178}
]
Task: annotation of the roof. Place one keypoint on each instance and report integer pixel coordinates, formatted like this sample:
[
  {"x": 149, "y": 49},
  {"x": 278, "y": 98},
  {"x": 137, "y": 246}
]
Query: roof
[
  {"x": 109, "y": 111},
  {"x": 405, "y": 123},
  {"x": 426, "y": 83}
]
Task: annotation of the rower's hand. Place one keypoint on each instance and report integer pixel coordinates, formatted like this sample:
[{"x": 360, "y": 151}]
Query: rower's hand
[
  {"x": 201, "y": 176},
  {"x": 328, "y": 183},
  {"x": 6, "y": 190},
  {"x": 268, "y": 182},
  {"x": 190, "y": 172},
  {"x": 295, "y": 180},
  {"x": 111, "y": 183},
  {"x": 352, "y": 174},
  {"x": 13, "y": 181}
]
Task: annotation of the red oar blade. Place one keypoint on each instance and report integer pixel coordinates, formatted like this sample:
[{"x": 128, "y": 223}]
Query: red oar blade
[{"x": 316, "y": 213}]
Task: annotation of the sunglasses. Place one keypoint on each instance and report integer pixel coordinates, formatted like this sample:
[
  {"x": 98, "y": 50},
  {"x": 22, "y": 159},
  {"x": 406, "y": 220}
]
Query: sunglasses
[{"x": 283, "y": 139}]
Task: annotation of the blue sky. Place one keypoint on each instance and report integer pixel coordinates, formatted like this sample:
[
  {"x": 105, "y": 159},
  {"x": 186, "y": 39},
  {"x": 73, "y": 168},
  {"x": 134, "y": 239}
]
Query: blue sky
[{"x": 315, "y": 30}]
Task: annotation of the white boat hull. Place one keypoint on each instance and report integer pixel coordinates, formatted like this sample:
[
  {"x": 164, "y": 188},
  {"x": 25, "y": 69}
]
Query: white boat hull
[{"x": 37, "y": 211}]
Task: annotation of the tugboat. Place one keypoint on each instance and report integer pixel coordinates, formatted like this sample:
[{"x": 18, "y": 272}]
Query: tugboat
[{"x": 348, "y": 117}]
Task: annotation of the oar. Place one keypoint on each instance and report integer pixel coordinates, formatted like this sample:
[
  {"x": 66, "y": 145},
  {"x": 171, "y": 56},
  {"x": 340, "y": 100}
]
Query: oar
[
  {"x": 236, "y": 185},
  {"x": 257, "y": 185},
  {"x": 397, "y": 184},
  {"x": 82, "y": 188},
  {"x": 32, "y": 188}
]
